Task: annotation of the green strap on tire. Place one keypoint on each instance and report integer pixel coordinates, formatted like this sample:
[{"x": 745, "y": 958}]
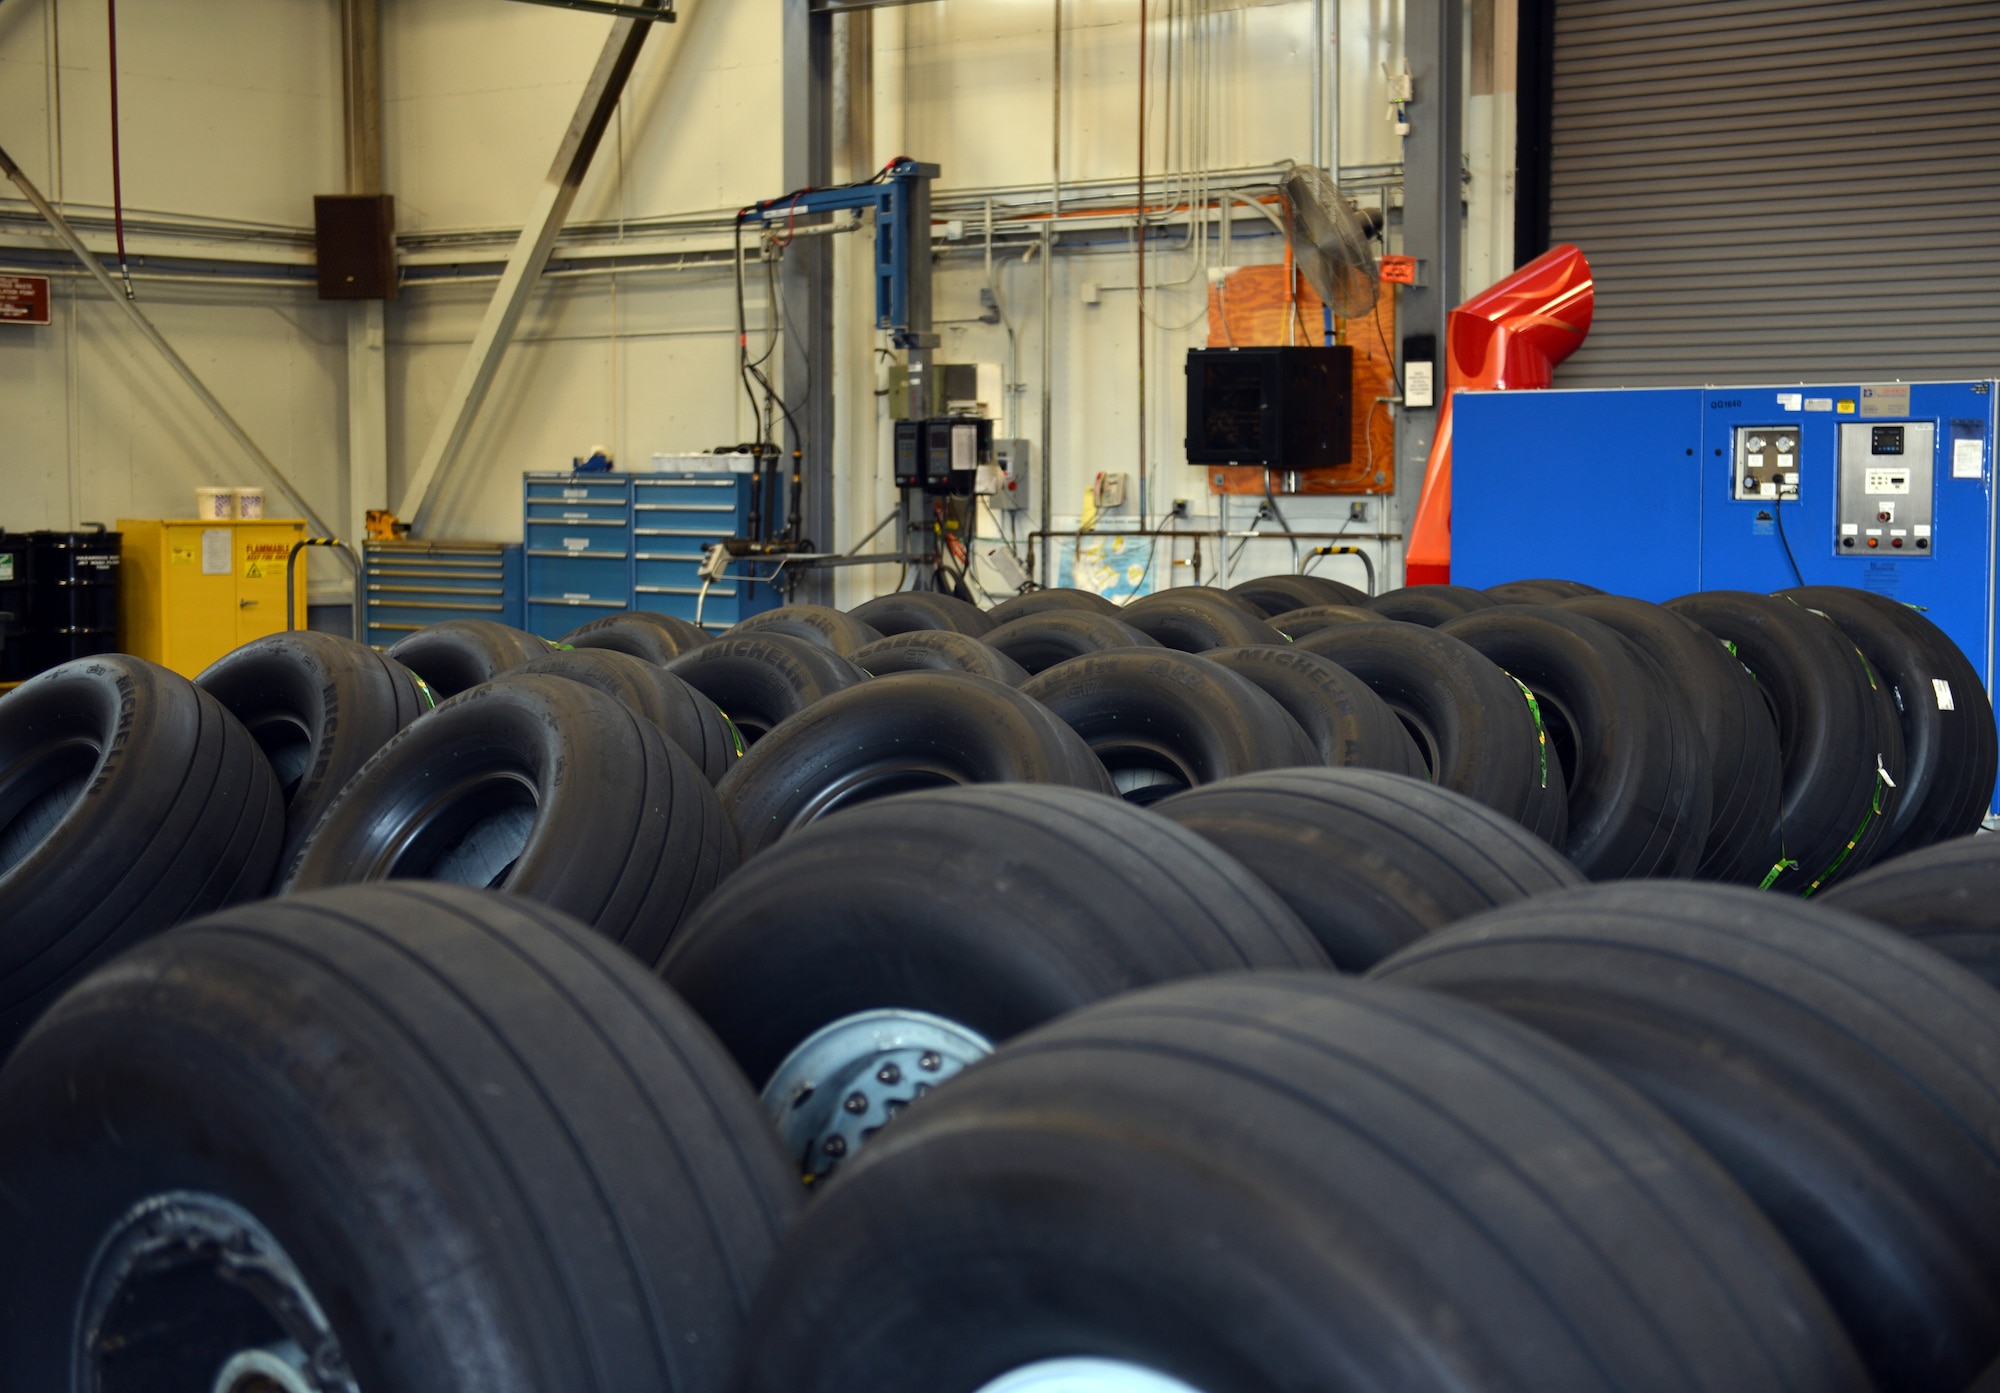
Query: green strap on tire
[
  {"x": 1874, "y": 811},
  {"x": 1784, "y": 863},
  {"x": 1541, "y": 732}
]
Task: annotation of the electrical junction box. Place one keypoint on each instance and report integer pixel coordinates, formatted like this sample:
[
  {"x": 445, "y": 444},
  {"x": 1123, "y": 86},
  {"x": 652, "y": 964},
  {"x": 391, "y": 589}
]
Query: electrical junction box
[
  {"x": 1006, "y": 483},
  {"x": 1657, "y": 492}
]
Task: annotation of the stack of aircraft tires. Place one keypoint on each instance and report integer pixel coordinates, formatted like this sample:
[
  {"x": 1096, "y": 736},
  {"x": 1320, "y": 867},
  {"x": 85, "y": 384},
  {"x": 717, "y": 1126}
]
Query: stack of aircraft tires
[{"x": 1530, "y": 988}]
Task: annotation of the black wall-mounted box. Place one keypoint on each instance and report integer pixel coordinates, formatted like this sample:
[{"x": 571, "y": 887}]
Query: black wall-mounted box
[
  {"x": 355, "y": 236},
  {"x": 1280, "y": 407}
]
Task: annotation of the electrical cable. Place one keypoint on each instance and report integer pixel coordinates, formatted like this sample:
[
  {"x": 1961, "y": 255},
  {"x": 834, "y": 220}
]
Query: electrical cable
[
  {"x": 1778, "y": 513},
  {"x": 117, "y": 172},
  {"x": 1272, "y": 499}
]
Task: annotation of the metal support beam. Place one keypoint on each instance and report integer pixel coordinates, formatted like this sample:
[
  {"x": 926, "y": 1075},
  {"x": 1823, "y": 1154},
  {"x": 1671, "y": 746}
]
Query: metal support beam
[
  {"x": 806, "y": 368},
  {"x": 367, "y": 368},
  {"x": 642, "y": 12},
  {"x": 1433, "y": 199},
  {"x": 524, "y": 265},
  {"x": 152, "y": 336}
]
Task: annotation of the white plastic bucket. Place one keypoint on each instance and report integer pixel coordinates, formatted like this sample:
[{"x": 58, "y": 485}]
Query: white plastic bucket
[
  {"x": 249, "y": 502},
  {"x": 213, "y": 505}
]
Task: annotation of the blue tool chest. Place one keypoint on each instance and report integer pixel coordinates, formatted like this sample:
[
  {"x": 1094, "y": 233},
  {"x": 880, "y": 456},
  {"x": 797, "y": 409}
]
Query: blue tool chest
[
  {"x": 600, "y": 543},
  {"x": 407, "y": 586}
]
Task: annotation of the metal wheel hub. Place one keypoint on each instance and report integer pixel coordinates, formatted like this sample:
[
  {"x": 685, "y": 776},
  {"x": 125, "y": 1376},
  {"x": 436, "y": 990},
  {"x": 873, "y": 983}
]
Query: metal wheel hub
[
  {"x": 192, "y": 1289},
  {"x": 1085, "y": 1376},
  {"x": 846, "y": 1080}
]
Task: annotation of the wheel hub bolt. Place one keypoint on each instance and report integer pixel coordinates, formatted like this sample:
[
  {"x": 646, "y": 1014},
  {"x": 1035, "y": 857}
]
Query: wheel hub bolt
[
  {"x": 835, "y": 1146},
  {"x": 856, "y": 1102},
  {"x": 889, "y": 1074},
  {"x": 930, "y": 1061}
]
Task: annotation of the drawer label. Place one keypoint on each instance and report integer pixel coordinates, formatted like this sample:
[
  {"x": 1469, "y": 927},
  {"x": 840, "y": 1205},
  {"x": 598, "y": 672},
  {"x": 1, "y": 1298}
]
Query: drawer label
[
  {"x": 576, "y": 544},
  {"x": 576, "y": 493}
]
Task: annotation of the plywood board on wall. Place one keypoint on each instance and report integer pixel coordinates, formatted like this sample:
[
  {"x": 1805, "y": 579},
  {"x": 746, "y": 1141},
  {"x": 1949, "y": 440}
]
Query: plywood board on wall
[{"x": 1250, "y": 307}]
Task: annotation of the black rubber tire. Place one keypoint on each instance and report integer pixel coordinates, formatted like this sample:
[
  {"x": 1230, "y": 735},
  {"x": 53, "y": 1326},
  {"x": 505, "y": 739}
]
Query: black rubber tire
[
  {"x": 998, "y": 907},
  {"x": 129, "y": 801},
  {"x": 1282, "y": 594},
  {"x": 1946, "y": 897},
  {"x": 1835, "y": 725},
  {"x": 459, "y": 654},
  {"x": 1347, "y": 723},
  {"x": 819, "y": 624},
  {"x": 938, "y": 650},
  {"x": 499, "y": 1154},
  {"x": 1540, "y": 592},
  {"x": 1848, "y": 1079},
  {"x": 907, "y": 731},
  {"x": 1039, "y": 641},
  {"x": 1429, "y": 605},
  {"x": 1635, "y": 770},
  {"x": 658, "y": 638},
  {"x": 1371, "y": 861},
  {"x": 1162, "y": 722},
  {"x": 1475, "y": 729},
  {"x": 1296, "y": 624},
  {"x": 1950, "y": 756},
  {"x": 909, "y": 611},
  {"x": 1290, "y": 1181},
  {"x": 541, "y": 786},
  {"x": 761, "y": 680},
  {"x": 1195, "y": 619},
  {"x": 319, "y": 706},
  {"x": 1047, "y": 601},
  {"x": 686, "y": 717},
  {"x": 1737, "y": 729}
]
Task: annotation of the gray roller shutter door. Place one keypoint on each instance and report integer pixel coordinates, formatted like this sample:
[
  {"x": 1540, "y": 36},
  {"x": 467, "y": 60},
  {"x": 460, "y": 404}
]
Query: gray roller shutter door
[{"x": 1780, "y": 191}]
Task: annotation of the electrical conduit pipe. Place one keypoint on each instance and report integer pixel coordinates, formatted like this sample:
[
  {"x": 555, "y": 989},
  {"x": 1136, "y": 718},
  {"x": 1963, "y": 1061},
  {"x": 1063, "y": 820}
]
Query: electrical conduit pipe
[{"x": 1507, "y": 337}]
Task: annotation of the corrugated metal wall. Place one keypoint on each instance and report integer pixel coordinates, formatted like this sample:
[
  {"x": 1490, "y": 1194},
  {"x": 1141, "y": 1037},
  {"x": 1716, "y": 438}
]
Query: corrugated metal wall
[{"x": 1780, "y": 190}]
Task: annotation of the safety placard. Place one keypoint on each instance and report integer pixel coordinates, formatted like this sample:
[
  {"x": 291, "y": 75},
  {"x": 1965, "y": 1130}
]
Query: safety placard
[
  {"x": 262, "y": 560},
  {"x": 24, "y": 299}
]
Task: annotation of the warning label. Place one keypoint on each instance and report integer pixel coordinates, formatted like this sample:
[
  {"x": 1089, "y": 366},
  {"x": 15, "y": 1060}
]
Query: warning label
[
  {"x": 253, "y": 570},
  {"x": 24, "y": 299},
  {"x": 265, "y": 551}
]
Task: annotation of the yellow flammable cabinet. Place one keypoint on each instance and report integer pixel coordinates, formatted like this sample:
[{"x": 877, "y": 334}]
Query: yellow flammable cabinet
[{"x": 195, "y": 589}]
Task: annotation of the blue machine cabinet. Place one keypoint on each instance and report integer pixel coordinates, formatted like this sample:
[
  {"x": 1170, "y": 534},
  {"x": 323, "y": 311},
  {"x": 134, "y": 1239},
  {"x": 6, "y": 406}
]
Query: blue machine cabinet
[
  {"x": 599, "y": 543},
  {"x": 1659, "y": 492}
]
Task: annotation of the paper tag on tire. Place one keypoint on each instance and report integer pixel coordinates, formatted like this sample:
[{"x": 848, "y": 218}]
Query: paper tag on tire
[{"x": 1943, "y": 690}]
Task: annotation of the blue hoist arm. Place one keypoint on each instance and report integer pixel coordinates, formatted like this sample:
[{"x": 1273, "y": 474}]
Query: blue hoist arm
[{"x": 901, "y": 198}]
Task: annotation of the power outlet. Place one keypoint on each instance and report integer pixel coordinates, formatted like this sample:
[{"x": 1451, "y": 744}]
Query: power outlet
[
  {"x": 1180, "y": 509},
  {"x": 1357, "y": 511}
]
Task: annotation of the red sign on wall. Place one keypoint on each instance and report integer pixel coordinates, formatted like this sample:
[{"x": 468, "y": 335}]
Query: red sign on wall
[
  {"x": 24, "y": 299},
  {"x": 1399, "y": 270}
]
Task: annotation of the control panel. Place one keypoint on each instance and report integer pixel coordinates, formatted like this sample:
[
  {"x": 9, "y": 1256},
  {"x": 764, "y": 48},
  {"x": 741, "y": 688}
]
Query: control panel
[
  {"x": 942, "y": 454},
  {"x": 1767, "y": 462},
  {"x": 1884, "y": 487}
]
